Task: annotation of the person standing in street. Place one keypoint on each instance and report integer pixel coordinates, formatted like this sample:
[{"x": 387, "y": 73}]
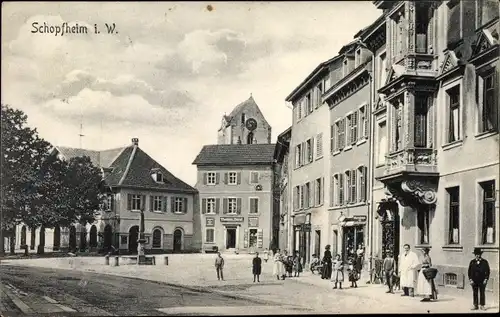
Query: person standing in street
[
  {"x": 278, "y": 270},
  {"x": 479, "y": 273},
  {"x": 327, "y": 264},
  {"x": 219, "y": 265},
  {"x": 389, "y": 266},
  {"x": 426, "y": 287},
  {"x": 266, "y": 255},
  {"x": 338, "y": 271},
  {"x": 297, "y": 264},
  {"x": 256, "y": 267},
  {"x": 408, "y": 271}
]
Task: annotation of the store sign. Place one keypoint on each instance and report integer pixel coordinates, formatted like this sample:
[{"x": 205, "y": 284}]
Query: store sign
[
  {"x": 299, "y": 219},
  {"x": 231, "y": 219},
  {"x": 210, "y": 222},
  {"x": 359, "y": 218},
  {"x": 253, "y": 222}
]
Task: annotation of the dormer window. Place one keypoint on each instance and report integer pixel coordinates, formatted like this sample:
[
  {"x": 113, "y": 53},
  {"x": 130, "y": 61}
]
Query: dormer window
[
  {"x": 157, "y": 175},
  {"x": 345, "y": 69},
  {"x": 357, "y": 58}
]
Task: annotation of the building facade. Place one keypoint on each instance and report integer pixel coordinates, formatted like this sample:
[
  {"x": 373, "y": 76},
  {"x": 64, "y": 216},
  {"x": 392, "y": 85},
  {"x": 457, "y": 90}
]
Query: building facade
[
  {"x": 349, "y": 113},
  {"x": 133, "y": 181},
  {"x": 282, "y": 172},
  {"x": 436, "y": 133},
  {"x": 236, "y": 183}
]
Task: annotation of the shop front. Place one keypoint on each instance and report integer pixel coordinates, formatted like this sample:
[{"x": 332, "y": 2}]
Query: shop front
[
  {"x": 353, "y": 235},
  {"x": 302, "y": 236}
]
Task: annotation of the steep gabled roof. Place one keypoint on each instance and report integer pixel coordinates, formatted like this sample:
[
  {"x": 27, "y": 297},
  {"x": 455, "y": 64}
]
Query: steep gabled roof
[
  {"x": 129, "y": 167},
  {"x": 235, "y": 154},
  {"x": 249, "y": 103}
]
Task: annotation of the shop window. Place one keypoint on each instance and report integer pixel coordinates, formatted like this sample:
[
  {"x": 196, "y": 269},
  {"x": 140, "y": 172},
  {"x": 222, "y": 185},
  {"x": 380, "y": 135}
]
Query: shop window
[{"x": 252, "y": 238}]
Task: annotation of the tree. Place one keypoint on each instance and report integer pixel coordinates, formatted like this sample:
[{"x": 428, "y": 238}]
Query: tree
[{"x": 22, "y": 154}]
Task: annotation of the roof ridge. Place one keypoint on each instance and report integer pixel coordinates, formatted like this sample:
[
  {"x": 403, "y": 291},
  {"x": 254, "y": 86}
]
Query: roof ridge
[
  {"x": 116, "y": 156},
  {"x": 129, "y": 163}
]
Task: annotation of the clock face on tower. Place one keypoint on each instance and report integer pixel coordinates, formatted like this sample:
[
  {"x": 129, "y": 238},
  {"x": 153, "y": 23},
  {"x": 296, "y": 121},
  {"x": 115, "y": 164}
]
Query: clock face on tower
[{"x": 251, "y": 124}]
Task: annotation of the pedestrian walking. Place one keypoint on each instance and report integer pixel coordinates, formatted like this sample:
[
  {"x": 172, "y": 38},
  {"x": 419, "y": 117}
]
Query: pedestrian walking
[
  {"x": 256, "y": 267},
  {"x": 327, "y": 263},
  {"x": 278, "y": 269},
  {"x": 297, "y": 264},
  {"x": 288, "y": 264},
  {"x": 266, "y": 255},
  {"x": 426, "y": 286},
  {"x": 389, "y": 266},
  {"x": 219, "y": 265},
  {"x": 408, "y": 265},
  {"x": 352, "y": 272},
  {"x": 479, "y": 274},
  {"x": 337, "y": 271}
]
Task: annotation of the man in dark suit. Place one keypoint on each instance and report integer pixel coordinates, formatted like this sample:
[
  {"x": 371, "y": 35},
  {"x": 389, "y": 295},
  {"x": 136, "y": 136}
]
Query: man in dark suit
[{"x": 479, "y": 273}]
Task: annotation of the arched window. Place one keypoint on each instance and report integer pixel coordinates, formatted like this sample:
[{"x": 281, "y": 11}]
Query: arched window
[
  {"x": 157, "y": 238},
  {"x": 250, "y": 138}
]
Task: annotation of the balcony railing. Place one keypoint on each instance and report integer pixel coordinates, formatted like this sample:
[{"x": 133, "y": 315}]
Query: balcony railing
[{"x": 411, "y": 160}]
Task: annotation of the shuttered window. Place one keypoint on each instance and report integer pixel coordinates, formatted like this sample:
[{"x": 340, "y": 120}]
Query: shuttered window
[
  {"x": 319, "y": 145},
  {"x": 254, "y": 205}
]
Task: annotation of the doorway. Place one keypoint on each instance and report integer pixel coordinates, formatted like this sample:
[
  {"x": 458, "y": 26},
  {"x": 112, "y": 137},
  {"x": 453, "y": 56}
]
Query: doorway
[
  {"x": 390, "y": 229},
  {"x": 353, "y": 238},
  {"x": 230, "y": 238},
  {"x": 177, "y": 240},
  {"x": 133, "y": 236},
  {"x": 108, "y": 237},
  {"x": 317, "y": 242}
]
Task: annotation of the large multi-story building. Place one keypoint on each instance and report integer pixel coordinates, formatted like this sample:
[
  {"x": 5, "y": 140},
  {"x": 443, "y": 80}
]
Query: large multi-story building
[
  {"x": 282, "y": 172},
  {"x": 309, "y": 151},
  {"x": 236, "y": 184},
  {"x": 134, "y": 182},
  {"x": 349, "y": 112},
  {"x": 436, "y": 125}
]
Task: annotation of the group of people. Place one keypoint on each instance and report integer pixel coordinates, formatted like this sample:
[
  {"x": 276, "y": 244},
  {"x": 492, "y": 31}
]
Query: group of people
[
  {"x": 333, "y": 269},
  {"x": 413, "y": 273},
  {"x": 285, "y": 264}
]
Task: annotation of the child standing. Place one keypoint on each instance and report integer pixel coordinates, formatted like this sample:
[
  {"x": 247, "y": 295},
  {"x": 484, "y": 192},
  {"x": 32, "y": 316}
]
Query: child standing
[
  {"x": 388, "y": 267},
  {"x": 337, "y": 271},
  {"x": 266, "y": 255},
  {"x": 352, "y": 273},
  {"x": 297, "y": 265}
]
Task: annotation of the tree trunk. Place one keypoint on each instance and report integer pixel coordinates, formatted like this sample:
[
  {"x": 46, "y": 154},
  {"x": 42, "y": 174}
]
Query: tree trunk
[
  {"x": 12, "y": 241},
  {"x": 2, "y": 242}
]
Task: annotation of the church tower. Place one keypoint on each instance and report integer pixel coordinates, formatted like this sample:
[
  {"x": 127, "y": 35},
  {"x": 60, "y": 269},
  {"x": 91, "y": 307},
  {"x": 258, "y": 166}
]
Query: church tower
[{"x": 245, "y": 125}]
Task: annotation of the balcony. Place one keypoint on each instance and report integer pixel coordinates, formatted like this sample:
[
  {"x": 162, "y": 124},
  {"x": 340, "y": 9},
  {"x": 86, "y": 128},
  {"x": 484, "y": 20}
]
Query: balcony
[{"x": 416, "y": 161}]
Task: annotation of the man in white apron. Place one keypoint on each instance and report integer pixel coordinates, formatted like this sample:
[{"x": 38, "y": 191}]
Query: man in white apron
[{"x": 408, "y": 265}]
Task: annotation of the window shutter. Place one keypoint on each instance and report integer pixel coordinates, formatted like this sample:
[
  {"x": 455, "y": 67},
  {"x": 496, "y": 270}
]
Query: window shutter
[
  {"x": 224, "y": 205},
  {"x": 185, "y": 205},
  {"x": 341, "y": 189},
  {"x": 332, "y": 185},
  {"x": 203, "y": 206},
  {"x": 344, "y": 134},
  {"x": 303, "y": 148},
  {"x": 143, "y": 202},
  {"x": 205, "y": 178},
  {"x": 217, "y": 205},
  {"x": 332, "y": 138},
  {"x": 226, "y": 176},
  {"x": 365, "y": 178},
  {"x": 151, "y": 203},
  {"x": 311, "y": 149},
  {"x": 295, "y": 199},
  {"x": 238, "y": 206},
  {"x": 319, "y": 145},
  {"x": 172, "y": 203},
  {"x": 353, "y": 187},
  {"x": 129, "y": 202},
  {"x": 238, "y": 178},
  {"x": 311, "y": 195},
  {"x": 245, "y": 239},
  {"x": 165, "y": 203},
  {"x": 322, "y": 191},
  {"x": 260, "y": 239},
  {"x": 354, "y": 124},
  {"x": 365, "y": 122},
  {"x": 256, "y": 203}
]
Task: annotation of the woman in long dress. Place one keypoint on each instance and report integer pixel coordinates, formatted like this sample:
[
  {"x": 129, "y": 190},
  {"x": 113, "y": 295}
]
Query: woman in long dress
[
  {"x": 426, "y": 287},
  {"x": 277, "y": 265},
  {"x": 297, "y": 265},
  {"x": 327, "y": 263},
  {"x": 337, "y": 271}
]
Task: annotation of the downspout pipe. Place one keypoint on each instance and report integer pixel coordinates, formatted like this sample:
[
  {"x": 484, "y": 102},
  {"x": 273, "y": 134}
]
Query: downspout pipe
[{"x": 370, "y": 204}]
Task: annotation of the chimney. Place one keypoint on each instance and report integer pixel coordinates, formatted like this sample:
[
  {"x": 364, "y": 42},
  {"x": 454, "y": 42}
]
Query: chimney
[{"x": 135, "y": 141}]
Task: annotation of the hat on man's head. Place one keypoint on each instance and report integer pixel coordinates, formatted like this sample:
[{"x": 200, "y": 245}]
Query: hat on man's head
[
  {"x": 477, "y": 251},
  {"x": 327, "y": 246}
]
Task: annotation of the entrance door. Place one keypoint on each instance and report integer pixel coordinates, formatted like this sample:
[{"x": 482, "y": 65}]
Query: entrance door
[
  {"x": 177, "y": 240},
  {"x": 230, "y": 238},
  {"x": 108, "y": 237},
  {"x": 133, "y": 236},
  {"x": 390, "y": 232},
  {"x": 317, "y": 243}
]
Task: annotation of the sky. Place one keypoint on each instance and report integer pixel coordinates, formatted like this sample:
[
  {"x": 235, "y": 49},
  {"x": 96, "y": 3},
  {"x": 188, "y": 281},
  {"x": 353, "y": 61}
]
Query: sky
[{"x": 168, "y": 72}]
